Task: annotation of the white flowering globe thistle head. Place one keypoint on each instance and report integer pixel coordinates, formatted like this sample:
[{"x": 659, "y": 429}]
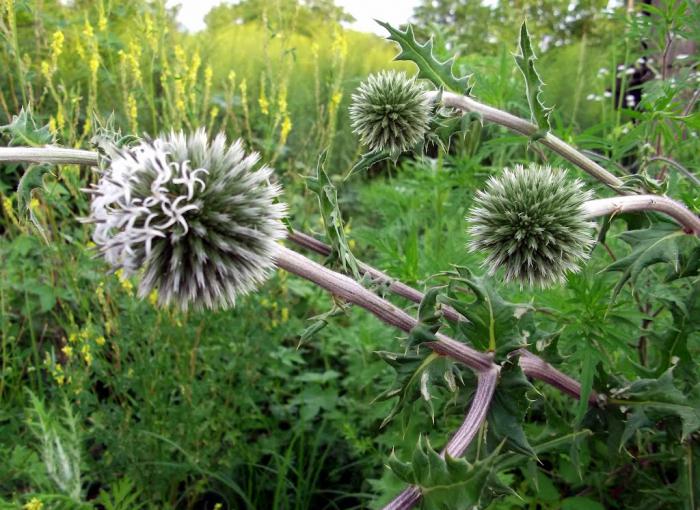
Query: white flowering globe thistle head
[
  {"x": 531, "y": 222},
  {"x": 390, "y": 112},
  {"x": 197, "y": 219}
]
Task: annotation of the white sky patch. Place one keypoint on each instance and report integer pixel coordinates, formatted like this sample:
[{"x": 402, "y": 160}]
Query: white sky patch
[{"x": 192, "y": 12}]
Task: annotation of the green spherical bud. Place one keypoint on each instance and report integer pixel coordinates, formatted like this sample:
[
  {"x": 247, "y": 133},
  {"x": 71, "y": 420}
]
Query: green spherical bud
[
  {"x": 390, "y": 112},
  {"x": 531, "y": 222}
]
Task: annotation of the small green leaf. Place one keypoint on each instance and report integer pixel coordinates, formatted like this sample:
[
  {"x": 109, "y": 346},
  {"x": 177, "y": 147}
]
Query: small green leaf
[
  {"x": 525, "y": 60},
  {"x": 446, "y": 483},
  {"x": 327, "y": 194},
  {"x": 429, "y": 67},
  {"x": 662, "y": 242},
  {"x": 508, "y": 408},
  {"x": 660, "y": 398},
  {"x": 24, "y": 131}
]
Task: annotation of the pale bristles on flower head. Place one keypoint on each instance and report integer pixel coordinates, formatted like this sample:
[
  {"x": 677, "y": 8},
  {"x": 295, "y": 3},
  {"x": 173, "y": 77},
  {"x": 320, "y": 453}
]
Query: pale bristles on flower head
[
  {"x": 195, "y": 218},
  {"x": 531, "y": 222}
]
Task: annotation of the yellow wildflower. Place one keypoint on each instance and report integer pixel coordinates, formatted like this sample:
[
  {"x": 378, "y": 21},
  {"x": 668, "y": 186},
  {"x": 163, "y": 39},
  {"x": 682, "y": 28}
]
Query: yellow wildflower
[
  {"x": 262, "y": 100},
  {"x": 9, "y": 210},
  {"x": 100, "y": 340},
  {"x": 285, "y": 314},
  {"x": 73, "y": 338},
  {"x": 34, "y": 204},
  {"x": 57, "y": 45},
  {"x": 87, "y": 355},
  {"x": 336, "y": 98},
  {"x": 46, "y": 70},
  {"x": 88, "y": 30},
  {"x": 285, "y": 129},
  {"x": 67, "y": 350},
  {"x": 34, "y": 504},
  {"x": 153, "y": 297},
  {"x": 52, "y": 125}
]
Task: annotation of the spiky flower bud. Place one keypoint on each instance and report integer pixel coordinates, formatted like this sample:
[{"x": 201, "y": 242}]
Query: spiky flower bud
[
  {"x": 531, "y": 222},
  {"x": 390, "y": 112},
  {"x": 192, "y": 215}
]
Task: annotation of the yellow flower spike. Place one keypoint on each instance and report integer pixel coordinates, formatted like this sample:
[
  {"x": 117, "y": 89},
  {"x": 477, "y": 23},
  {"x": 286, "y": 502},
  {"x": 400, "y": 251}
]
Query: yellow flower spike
[
  {"x": 33, "y": 504},
  {"x": 87, "y": 355},
  {"x": 284, "y": 314},
  {"x": 262, "y": 100},
  {"x": 150, "y": 32},
  {"x": 282, "y": 100},
  {"x": 52, "y": 125},
  {"x": 10, "y": 211},
  {"x": 57, "y": 45},
  {"x": 100, "y": 340},
  {"x": 153, "y": 297},
  {"x": 67, "y": 350},
  {"x": 336, "y": 98},
  {"x": 285, "y": 129},
  {"x": 60, "y": 119},
  {"x": 88, "y": 31}
]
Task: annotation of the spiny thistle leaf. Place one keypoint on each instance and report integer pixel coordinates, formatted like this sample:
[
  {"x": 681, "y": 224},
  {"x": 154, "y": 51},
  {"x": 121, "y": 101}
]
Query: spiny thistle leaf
[
  {"x": 531, "y": 223},
  {"x": 445, "y": 482},
  {"x": 390, "y": 113},
  {"x": 429, "y": 67},
  {"x": 23, "y": 130},
  {"x": 525, "y": 60},
  {"x": 327, "y": 194},
  {"x": 660, "y": 398},
  {"x": 192, "y": 216},
  {"x": 663, "y": 242}
]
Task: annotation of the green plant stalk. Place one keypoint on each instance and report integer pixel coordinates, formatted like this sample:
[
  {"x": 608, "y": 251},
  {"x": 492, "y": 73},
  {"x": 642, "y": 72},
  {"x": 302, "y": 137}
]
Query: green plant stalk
[
  {"x": 351, "y": 291},
  {"x": 522, "y": 126},
  {"x": 457, "y": 445},
  {"x": 532, "y": 365}
]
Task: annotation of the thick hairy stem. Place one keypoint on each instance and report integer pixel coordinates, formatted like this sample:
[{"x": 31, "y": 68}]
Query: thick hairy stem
[
  {"x": 50, "y": 155},
  {"x": 491, "y": 114},
  {"x": 457, "y": 445},
  {"x": 395, "y": 286},
  {"x": 540, "y": 370},
  {"x": 636, "y": 203},
  {"x": 352, "y": 292},
  {"x": 537, "y": 368}
]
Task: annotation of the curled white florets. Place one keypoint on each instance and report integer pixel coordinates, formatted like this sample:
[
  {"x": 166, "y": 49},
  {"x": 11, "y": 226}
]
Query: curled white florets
[
  {"x": 531, "y": 222},
  {"x": 193, "y": 216}
]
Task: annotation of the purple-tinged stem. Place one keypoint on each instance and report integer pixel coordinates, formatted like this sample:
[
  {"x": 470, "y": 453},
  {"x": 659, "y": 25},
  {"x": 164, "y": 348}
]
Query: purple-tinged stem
[
  {"x": 457, "y": 445},
  {"x": 352, "y": 292},
  {"x": 637, "y": 203}
]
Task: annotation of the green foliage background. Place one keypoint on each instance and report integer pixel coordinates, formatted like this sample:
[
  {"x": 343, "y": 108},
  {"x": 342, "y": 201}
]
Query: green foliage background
[{"x": 190, "y": 411}]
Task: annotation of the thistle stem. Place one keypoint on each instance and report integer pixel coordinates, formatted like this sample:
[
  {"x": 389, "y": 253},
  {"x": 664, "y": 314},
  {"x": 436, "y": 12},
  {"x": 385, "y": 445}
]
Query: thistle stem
[
  {"x": 457, "y": 445},
  {"x": 533, "y": 366},
  {"x": 491, "y": 114},
  {"x": 636, "y": 203},
  {"x": 49, "y": 155},
  {"x": 352, "y": 292}
]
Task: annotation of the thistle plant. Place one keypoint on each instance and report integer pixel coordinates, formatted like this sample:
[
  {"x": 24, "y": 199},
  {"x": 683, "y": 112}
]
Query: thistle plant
[
  {"x": 192, "y": 215},
  {"x": 531, "y": 222},
  {"x": 390, "y": 112}
]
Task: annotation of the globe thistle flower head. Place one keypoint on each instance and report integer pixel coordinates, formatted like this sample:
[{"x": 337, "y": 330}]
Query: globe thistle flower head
[
  {"x": 390, "y": 112},
  {"x": 531, "y": 222},
  {"x": 193, "y": 216}
]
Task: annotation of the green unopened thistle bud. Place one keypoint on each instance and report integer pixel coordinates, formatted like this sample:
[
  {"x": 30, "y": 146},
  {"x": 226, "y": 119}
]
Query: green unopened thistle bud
[
  {"x": 192, "y": 216},
  {"x": 531, "y": 222},
  {"x": 390, "y": 112}
]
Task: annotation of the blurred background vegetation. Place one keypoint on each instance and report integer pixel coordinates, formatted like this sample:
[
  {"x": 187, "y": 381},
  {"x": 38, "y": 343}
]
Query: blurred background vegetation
[{"x": 106, "y": 400}]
